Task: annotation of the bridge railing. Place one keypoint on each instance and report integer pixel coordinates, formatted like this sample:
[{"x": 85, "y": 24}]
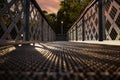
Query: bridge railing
[
  {"x": 23, "y": 20},
  {"x": 99, "y": 21}
]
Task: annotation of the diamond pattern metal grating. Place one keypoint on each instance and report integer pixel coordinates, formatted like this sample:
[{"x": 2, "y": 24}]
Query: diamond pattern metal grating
[
  {"x": 12, "y": 18},
  {"x": 90, "y": 26}
]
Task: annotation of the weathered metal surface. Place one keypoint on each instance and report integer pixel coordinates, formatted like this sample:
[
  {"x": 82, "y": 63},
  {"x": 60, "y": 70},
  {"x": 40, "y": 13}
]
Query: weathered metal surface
[{"x": 61, "y": 61}]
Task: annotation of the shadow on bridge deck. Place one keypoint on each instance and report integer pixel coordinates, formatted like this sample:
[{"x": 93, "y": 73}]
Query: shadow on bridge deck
[{"x": 61, "y": 61}]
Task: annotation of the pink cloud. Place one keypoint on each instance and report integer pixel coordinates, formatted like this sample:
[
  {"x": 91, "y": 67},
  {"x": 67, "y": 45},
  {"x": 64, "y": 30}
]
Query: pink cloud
[{"x": 51, "y": 6}]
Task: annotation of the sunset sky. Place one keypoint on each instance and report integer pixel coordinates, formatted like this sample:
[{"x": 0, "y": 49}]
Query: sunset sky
[{"x": 51, "y": 6}]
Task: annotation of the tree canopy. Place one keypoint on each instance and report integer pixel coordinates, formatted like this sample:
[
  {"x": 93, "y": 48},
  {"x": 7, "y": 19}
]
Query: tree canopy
[{"x": 68, "y": 13}]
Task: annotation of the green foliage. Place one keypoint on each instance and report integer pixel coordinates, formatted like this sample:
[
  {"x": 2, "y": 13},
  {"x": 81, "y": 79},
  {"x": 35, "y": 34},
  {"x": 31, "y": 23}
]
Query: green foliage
[
  {"x": 69, "y": 11},
  {"x": 45, "y": 12}
]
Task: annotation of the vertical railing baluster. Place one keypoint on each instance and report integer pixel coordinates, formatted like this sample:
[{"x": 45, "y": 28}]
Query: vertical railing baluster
[
  {"x": 41, "y": 29},
  {"x": 76, "y": 28},
  {"x": 48, "y": 33},
  {"x": 26, "y": 19},
  {"x": 100, "y": 17},
  {"x": 83, "y": 29}
]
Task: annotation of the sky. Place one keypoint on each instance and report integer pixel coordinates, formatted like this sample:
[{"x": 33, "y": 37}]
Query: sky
[{"x": 51, "y": 6}]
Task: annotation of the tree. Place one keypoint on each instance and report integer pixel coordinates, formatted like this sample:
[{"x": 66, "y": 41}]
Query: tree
[
  {"x": 69, "y": 11},
  {"x": 45, "y": 12}
]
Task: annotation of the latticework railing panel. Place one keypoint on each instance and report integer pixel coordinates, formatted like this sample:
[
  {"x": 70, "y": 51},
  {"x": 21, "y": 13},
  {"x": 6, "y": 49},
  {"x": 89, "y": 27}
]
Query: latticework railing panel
[
  {"x": 70, "y": 35},
  {"x": 44, "y": 33},
  {"x": 99, "y": 21},
  {"x": 91, "y": 23},
  {"x": 16, "y": 23},
  {"x": 74, "y": 33},
  {"x": 34, "y": 21},
  {"x": 112, "y": 19},
  {"x": 79, "y": 30},
  {"x": 11, "y": 19}
]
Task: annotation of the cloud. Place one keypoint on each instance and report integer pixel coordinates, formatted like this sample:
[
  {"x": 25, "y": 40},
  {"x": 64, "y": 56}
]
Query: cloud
[{"x": 51, "y": 6}]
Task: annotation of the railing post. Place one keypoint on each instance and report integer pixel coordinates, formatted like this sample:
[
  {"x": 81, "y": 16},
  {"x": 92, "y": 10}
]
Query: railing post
[
  {"x": 48, "y": 32},
  {"x": 72, "y": 34},
  {"x": 41, "y": 29},
  {"x": 83, "y": 30},
  {"x": 100, "y": 17},
  {"x": 26, "y": 19},
  {"x": 76, "y": 28}
]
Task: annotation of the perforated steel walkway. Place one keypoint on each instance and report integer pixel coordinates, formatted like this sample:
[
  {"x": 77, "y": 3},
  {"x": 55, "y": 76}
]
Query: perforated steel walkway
[{"x": 61, "y": 61}]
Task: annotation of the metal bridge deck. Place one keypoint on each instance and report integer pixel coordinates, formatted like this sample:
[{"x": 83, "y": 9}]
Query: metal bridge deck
[{"x": 60, "y": 61}]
